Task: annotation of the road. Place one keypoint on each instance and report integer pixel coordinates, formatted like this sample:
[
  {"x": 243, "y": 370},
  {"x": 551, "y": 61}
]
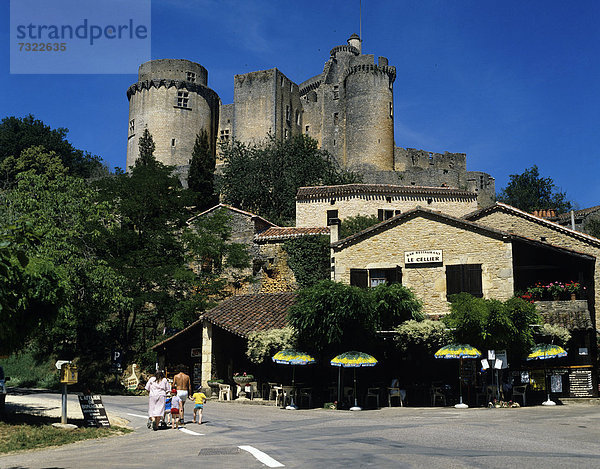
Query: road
[{"x": 559, "y": 437}]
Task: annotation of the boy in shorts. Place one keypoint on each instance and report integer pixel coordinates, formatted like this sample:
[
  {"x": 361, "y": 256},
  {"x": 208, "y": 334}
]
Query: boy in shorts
[
  {"x": 175, "y": 404},
  {"x": 199, "y": 398}
]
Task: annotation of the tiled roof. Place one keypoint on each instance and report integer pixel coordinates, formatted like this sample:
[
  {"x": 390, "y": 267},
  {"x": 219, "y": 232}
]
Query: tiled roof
[
  {"x": 571, "y": 320},
  {"x": 379, "y": 189},
  {"x": 281, "y": 233},
  {"x": 578, "y": 214},
  {"x": 243, "y": 314},
  {"x": 498, "y": 206},
  {"x": 233, "y": 209}
]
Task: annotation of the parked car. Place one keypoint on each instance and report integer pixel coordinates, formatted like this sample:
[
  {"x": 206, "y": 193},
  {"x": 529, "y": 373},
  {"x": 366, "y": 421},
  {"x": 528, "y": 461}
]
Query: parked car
[{"x": 3, "y": 381}]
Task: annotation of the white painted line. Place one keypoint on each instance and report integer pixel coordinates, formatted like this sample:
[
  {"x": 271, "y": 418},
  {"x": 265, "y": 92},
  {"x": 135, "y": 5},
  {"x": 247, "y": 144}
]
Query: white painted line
[
  {"x": 262, "y": 457},
  {"x": 190, "y": 432},
  {"x": 138, "y": 415}
]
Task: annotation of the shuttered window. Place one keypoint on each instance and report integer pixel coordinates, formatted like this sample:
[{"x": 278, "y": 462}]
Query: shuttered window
[
  {"x": 359, "y": 278},
  {"x": 464, "y": 278}
]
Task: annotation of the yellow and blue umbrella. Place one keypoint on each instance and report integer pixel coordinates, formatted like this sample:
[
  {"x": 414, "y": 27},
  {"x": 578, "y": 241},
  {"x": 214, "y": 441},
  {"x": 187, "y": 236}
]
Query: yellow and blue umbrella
[
  {"x": 354, "y": 360},
  {"x": 459, "y": 351},
  {"x": 292, "y": 357},
  {"x": 544, "y": 352}
]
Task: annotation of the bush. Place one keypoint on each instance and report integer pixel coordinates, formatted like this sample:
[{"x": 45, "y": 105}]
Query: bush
[
  {"x": 422, "y": 337},
  {"x": 264, "y": 344},
  {"x": 25, "y": 371}
]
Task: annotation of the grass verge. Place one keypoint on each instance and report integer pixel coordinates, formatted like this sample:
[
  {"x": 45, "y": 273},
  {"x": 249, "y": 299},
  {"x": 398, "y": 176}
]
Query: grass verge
[{"x": 24, "y": 431}]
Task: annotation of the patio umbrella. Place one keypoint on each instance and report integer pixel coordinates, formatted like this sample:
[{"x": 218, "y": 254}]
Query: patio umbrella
[
  {"x": 543, "y": 352},
  {"x": 292, "y": 357},
  {"x": 354, "y": 360},
  {"x": 459, "y": 351}
]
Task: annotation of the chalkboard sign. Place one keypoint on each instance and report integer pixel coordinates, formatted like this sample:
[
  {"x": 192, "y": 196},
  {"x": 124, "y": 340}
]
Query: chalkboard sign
[
  {"x": 580, "y": 383},
  {"x": 94, "y": 413}
]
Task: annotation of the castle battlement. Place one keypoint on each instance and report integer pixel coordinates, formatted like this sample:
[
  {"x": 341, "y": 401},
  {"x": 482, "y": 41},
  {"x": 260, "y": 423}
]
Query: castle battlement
[
  {"x": 372, "y": 68},
  {"x": 345, "y": 48}
]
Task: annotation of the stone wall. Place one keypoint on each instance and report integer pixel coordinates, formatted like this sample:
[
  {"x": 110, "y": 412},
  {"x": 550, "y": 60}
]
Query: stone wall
[
  {"x": 310, "y": 213},
  {"x": 546, "y": 232},
  {"x": 386, "y": 249}
]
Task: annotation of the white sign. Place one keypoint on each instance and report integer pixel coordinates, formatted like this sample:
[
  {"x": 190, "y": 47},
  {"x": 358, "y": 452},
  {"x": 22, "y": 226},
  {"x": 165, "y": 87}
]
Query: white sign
[
  {"x": 422, "y": 257},
  {"x": 501, "y": 357},
  {"x": 60, "y": 363},
  {"x": 491, "y": 354},
  {"x": 485, "y": 364}
]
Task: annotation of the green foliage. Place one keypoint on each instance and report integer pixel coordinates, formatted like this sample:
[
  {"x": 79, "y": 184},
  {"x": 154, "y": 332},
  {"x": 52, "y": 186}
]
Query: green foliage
[
  {"x": 528, "y": 191},
  {"x": 265, "y": 179},
  {"x": 19, "y": 134},
  {"x": 201, "y": 173},
  {"x": 33, "y": 159},
  {"x": 264, "y": 344},
  {"x": 333, "y": 317},
  {"x": 308, "y": 257},
  {"x": 25, "y": 370},
  {"x": 592, "y": 227},
  {"x": 422, "y": 338},
  {"x": 491, "y": 324},
  {"x": 353, "y": 225},
  {"x": 555, "y": 334},
  {"x": 146, "y": 147}
]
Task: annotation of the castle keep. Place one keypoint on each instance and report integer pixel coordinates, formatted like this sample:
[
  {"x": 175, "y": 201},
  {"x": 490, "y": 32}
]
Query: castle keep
[{"x": 348, "y": 109}]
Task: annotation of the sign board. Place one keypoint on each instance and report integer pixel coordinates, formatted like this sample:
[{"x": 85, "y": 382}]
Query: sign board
[
  {"x": 68, "y": 373},
  {"x": 502, "y": 357},
  {"x": 196, "y": 352},
  {"x": 94, "y": 413},
  {"x": 423, "y": 257},
  {"x": 60, "y": 363},
  {"x": 580, "y": 383},
  {"x": 491, "y": 354},
  {"x": 485, "y": 364}
]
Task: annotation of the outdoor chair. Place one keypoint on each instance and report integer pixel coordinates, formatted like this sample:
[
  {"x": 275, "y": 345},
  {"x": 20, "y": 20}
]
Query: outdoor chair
[
  {"x": 519, "y": 391},
  {"x": 274, "y": 389},
  {"x": 437, "y": 395},
  {"x": 224, "y": 392},
  {"x": 397, "y": 393},
  {"x": 253, "y": 385},
  {"x": 287, "y": 395},
  {"x": 305, "y": 394},
  {"x": 372, "y": 392}
]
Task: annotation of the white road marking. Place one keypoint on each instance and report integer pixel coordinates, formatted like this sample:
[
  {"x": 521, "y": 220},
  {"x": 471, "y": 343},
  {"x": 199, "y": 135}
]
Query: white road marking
[
  {"x": 190, "y": 432},
  {"x": 262, "y": 457},
  {"x": 138, "y": 415}
]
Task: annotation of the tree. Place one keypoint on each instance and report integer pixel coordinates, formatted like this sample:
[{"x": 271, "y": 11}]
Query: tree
[
  {"x": 331, "y": 317},
  {"x": 528, "y": 191},
  {"x": 146, "y": 148},
  {"x": 262, "y": 345},
  {"x": 19, "y": 134},
  {"x": 265, "y": 179},
  {"x": 308, "y": 257},
  {"x": 201, "y": 173},
  {"x": 422, "y": 338},
  {"x": 35, "y": 159},
  {"x": 353, "y": 225}
]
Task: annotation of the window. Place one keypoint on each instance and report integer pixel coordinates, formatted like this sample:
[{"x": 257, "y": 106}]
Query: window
[
  {"x": 183, "y": 99},
  {"x": 336, "y": 118},
  {"x": 336, "y": 92},
  {"x": 297, "y": 117},
  {"x": 331, "y": 215},
  {"x": 364, "y": 278},
  {"x": 464, "y": 278},
  {"x": 391, "y": 109},
  {"x": 307, "y": 128},
  {"x": 172, "y": 142},
  {"x": 288, "y": 114},
  {"x": 224, "y": 135},
  {"x": 388, "y": 199},
  {"x": 383, "y": 215},
  {"x": 191, "y": 77},
  {"x": 132, "y": 126}
]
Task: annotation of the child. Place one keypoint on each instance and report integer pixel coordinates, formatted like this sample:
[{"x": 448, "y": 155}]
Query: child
[
  {"x": 199, "y": 399},
  {"x": 167, "y": 416},
  {"x": 175, "y": 404}
]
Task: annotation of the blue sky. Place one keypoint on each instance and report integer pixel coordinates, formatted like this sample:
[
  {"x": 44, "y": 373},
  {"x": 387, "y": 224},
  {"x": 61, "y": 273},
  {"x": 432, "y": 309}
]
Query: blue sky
[{"x": 511, "y": 83}]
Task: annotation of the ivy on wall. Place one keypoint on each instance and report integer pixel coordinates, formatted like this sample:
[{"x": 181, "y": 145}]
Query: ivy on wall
[{"x": 308, "y": 257}]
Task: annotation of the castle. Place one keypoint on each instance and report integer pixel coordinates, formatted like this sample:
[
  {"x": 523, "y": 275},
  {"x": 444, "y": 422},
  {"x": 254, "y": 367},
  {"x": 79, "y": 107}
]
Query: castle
[{"x": 348, "y": 109}]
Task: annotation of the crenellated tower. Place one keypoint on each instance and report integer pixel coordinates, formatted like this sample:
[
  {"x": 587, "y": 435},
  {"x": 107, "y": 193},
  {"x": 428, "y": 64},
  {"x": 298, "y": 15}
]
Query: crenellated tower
[{"x": 172, "y": 99}]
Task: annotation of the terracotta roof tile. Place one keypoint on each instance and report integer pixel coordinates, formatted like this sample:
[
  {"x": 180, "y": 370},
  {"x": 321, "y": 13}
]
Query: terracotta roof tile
[
  {"x": 281, "y": 233},
  {"x": 571, "y": 320},
  {"x": 243, "y": 314},
  {"x": 578, "y": 214},
  {"x": 379, "y": 189}
]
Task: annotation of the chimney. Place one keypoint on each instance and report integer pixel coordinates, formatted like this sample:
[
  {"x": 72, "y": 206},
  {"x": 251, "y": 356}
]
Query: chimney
[{"x": 334, "y": 229}]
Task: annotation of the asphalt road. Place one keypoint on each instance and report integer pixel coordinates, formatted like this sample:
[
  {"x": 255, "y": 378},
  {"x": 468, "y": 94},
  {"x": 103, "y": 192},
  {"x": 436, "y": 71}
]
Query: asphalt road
[{"x": 531, "y": 437}]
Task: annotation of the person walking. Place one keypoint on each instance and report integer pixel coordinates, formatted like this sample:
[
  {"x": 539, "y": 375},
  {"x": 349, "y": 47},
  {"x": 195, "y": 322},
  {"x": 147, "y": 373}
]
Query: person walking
[
  {"x": 199, "y": 398},
  {"x": 184, "y": 389},
  {"x": 175, "y": 409},
  {"x": 157, "y": 388}
]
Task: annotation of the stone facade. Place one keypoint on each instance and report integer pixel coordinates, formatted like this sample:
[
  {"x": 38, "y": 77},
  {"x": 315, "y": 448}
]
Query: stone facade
[
  {"x": 172, "y": 100},
  {"x": 512, "y": 220},
  {"x": 313, "y": 203},
  {"x": 384, "y": 247},
  {"x": 348, "y": 109}
]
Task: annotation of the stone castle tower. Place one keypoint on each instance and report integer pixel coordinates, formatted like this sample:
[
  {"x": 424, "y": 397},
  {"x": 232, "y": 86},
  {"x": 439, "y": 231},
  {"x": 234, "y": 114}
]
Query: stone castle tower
[
  {"x": 347, "y": 108},
  {"x": 172, "y": 100}
]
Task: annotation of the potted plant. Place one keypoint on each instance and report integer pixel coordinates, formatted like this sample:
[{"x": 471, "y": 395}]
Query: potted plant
[
  {"x": 573, "y": 288},
  {"x": 242, "y": 379},
  {"x": 213, "y": 383}
]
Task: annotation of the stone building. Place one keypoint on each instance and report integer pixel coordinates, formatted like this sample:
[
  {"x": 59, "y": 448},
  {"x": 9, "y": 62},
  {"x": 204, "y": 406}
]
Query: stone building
[{"x": 348, "y": 108}]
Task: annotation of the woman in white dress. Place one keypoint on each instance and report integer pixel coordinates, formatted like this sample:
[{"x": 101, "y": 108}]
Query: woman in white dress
[{"x": 157, "y": 388}]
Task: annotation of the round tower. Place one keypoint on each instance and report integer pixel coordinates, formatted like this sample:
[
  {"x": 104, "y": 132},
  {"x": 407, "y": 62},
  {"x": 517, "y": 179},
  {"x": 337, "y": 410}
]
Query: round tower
[
  {"x": 172, "y": 100},
  {"x": 369, "y": 114}
]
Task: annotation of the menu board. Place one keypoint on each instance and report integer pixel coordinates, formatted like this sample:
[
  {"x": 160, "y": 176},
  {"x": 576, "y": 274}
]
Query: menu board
[
  {"x": 94, "y": 413},
  {"x": 580, "y": 383},
  {"x": 197, "y": 374}
]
